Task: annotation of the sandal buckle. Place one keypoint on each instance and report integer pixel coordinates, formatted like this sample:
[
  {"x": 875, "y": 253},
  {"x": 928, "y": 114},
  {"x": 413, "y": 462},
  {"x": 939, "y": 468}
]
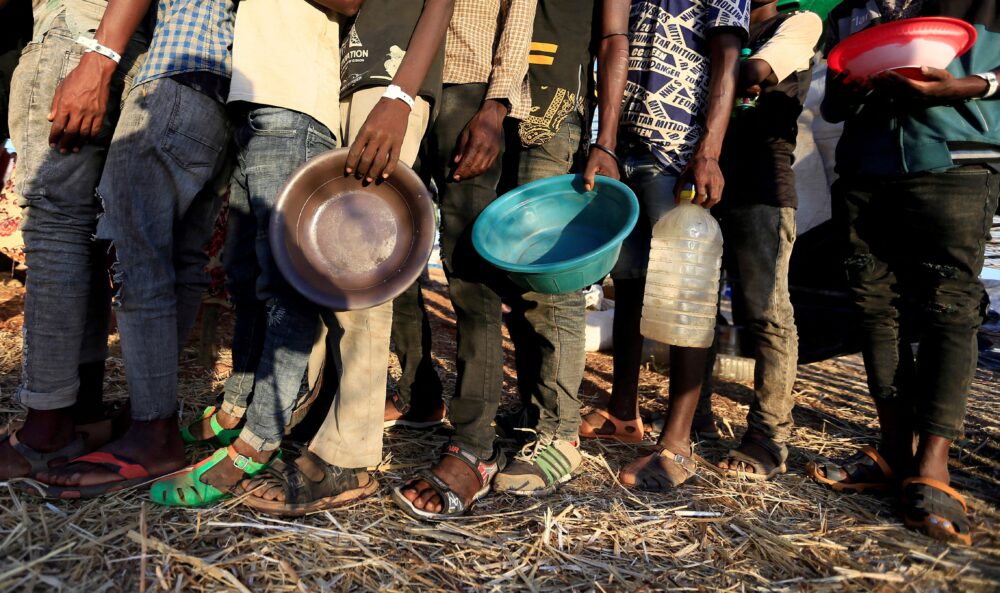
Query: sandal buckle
[{"x": 241, "y": 461}]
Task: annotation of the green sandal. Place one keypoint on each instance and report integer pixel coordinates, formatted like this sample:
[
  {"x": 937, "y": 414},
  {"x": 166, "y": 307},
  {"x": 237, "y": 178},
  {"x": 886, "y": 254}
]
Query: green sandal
[
  {"x": 186, "y": 489},
  {"x": 220, "y": 436}
]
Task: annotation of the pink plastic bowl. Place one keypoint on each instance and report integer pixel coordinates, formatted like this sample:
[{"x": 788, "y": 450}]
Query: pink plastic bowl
[{"x": 904, "y": 46}]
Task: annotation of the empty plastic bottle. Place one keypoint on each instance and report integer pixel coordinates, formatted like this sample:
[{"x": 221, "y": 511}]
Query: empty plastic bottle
[{"x": 682, "y": 282}]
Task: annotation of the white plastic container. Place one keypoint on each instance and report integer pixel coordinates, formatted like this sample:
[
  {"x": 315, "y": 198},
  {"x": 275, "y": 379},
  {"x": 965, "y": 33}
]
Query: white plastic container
[{"x": 682, "y": 282}]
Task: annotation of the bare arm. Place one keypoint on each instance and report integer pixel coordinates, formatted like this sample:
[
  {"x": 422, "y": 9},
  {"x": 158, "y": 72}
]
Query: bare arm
[
  {"x": 612, "y": 72},
  {"x": 375, "y": 151},
  {"x": 344, "y": 7},
  {"x": 703, "y": 169},
  {"x": 81, "y": 100}
]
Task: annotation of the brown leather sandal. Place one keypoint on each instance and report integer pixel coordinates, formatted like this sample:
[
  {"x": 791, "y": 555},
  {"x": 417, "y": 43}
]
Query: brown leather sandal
[
  {"x": 647, "y": 473},
  {"x": 623, "y": 431}
]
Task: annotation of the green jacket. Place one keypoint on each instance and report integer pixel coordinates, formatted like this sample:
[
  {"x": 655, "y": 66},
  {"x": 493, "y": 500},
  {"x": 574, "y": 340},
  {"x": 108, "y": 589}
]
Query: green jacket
[{"x": 888, "y": 138}]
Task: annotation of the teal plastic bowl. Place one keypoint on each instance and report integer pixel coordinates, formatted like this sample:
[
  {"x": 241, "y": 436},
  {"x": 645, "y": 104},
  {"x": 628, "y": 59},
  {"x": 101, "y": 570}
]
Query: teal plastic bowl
[{"x": 553, "y": 236}]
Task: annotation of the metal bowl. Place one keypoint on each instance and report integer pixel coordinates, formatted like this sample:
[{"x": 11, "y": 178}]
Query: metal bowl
[{"x": 346, "y": 244}]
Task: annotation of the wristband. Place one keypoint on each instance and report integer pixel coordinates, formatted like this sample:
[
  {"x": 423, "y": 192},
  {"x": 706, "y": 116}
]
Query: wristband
[
  {"x": 991, "y": 80},
  {"x": 393, "y": 91},
  {"x": 604, "y": 148},
  {"x": 91, "y": 45}
]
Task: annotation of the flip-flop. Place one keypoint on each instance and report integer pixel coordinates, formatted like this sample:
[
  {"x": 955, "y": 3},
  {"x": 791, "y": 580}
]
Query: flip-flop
[
  {"x": 132, "y": 473},
  {"x": 838, "y": 475},
  {"x": 41, "y": 461},
  {"x": 937, "y": 509},
  {"x": 626, "y": 431},
  {"x": 186, "y": 488},
  {"x": 452, "y": 505},
  {"x": 338, "y": 487},
  {"x": 221, "y": 436}
]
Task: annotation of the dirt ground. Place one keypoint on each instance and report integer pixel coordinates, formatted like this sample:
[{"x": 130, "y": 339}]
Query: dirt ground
[{"x": 592, "y": 535}]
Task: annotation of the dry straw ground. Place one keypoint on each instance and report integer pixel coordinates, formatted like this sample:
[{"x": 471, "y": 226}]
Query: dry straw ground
[{"x": 593, "y": 535}]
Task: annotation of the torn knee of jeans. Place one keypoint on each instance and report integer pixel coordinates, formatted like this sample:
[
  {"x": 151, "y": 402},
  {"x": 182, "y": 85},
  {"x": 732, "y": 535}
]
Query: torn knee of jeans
[
  {"x": 117, "y": 276},
  {"x": 941, "y": 271}
]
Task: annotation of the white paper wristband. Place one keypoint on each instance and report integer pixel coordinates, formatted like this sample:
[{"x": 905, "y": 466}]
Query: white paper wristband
[
  {"x": 91, "y": 45},
  {"x": 394, "y": 92}
]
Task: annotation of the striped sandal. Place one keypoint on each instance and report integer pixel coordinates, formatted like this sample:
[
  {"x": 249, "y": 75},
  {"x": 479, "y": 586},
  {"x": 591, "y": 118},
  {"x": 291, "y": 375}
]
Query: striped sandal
[{"x": 540, "y": 469}]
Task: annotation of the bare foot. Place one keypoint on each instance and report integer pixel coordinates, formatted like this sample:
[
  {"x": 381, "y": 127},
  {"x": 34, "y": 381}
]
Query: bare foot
[
  {"x": 155, "y": 445},
  {"x": 461, "y": 478},
  {"x": 44, "y": 431},
  {"x": 271, "y": 489}
]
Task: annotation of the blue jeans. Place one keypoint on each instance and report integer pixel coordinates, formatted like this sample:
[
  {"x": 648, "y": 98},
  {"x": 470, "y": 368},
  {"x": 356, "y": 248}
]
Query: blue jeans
[
  {"x": 276, "y": 326},
  {"x": 68, "y": 302},
  {"x": 164, "y": 175},
  {"x": 271, "y": 143},
  {"x": 655, "y": 189}
]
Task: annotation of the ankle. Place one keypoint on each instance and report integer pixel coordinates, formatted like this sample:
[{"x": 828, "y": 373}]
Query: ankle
[
  {"x": 680, "y": 446},
  {"x": 47, "y": 429},
  {"x": 246, "y": 449}
]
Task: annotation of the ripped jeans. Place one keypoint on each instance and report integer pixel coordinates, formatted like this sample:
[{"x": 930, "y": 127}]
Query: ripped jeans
[{"x": 916, "y": 251}]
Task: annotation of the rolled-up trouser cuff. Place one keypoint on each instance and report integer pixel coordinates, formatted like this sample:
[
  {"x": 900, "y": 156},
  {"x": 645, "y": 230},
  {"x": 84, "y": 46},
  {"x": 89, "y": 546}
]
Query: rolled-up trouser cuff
[
  {"x": 62, "y": 398},
  {"x": 233, "y": 409},
  {"x": 945, "y": 432},
  {"x": 248, "y": 436}
]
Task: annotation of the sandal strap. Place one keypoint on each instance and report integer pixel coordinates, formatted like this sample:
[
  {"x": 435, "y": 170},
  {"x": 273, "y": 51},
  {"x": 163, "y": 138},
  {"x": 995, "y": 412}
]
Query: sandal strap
[
  {"x": 39, "y": 461},
  {"x": 883, "y": 465},
  {"x": 452, "y": 503},
  {"x": 621, "y": 426},
  {"x": 777, "y": 451},
  {"x": 485, "y": 470},
  {"x": 243, "y": 463},
  {"x": 300, "y": 489},
  {"x": 689, "y": 465},
  {"x": 123, "y": 466},
  {"x": 937, "y": 485}
]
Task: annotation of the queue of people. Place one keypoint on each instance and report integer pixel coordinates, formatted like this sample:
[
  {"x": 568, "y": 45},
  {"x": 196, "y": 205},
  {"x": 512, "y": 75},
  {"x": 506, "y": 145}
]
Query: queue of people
[{"x": 132, "y": 119}]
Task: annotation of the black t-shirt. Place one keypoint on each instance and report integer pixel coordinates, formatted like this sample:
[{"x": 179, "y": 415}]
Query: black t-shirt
[
  {"x": 756, "y": 158},
  {"x": 560, "y": 72},
  {"x": 373, "y": 46}
]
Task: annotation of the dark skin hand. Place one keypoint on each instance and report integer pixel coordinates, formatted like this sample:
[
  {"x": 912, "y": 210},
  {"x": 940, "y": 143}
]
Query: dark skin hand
[
  {"x": 612, "y": 71},
  {"x": 939, "y": 88},
  {"x": 81, "y": 100},
  {"x": 480, "y": 141},
  {"x": 702, "y": 170},
  {"x": 374, "y": 153}
]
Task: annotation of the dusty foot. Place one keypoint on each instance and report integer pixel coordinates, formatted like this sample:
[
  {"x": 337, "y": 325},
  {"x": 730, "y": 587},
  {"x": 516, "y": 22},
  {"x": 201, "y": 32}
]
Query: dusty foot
[
  {"x": 754, "y": 451},
  {"x": 460, "y": 478},
  {"x": 43, "y": 431},
  {"x": 659, "y": 471},
  {"x": 155, "y": 445},
  {"x": 202, "y": 430},
  {"x": 225, "y": 476},
  {"x": 271, "y": 489},
  {"x": 393, "y": 415}
]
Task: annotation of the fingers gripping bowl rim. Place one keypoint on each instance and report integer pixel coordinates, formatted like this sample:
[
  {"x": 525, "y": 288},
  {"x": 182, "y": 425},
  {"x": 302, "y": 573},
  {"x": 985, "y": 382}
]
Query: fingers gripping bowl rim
[
  {"x": 346, "y": 244},
  {"x": 552, "y": 236},
  {"x": 903, "y": 46}
]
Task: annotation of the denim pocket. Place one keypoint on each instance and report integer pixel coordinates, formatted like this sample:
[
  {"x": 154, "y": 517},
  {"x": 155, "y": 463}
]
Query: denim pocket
[
  {"x": 272, "y": 121},
  {"x": 184, "y": 140},
  {"x": 318, "y": 143}
]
